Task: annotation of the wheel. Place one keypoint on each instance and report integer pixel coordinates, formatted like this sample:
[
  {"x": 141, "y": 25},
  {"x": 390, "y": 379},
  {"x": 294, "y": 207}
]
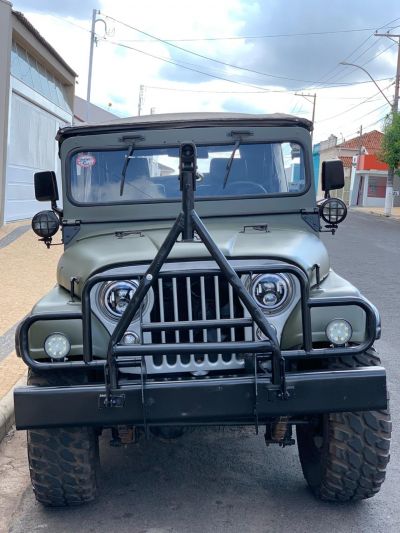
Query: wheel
[
  {"x": 344, "y": 455},
  {"x": 62, "y": 461}
]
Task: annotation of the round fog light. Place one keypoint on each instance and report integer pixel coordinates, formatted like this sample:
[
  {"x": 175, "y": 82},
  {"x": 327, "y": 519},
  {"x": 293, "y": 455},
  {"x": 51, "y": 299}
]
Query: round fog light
[
  {"x": 339, "y": 331},
  {"x": 57, "y": 346}
]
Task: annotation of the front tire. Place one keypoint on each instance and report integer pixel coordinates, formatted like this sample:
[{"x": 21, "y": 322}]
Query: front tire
[
  {"x": 62, "y": 461},
  {"x": 344, "y": 455}
]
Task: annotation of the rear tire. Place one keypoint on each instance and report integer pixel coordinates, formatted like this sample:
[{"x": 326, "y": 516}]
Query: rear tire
[
  {"x": 62, "y": 461},
  {"x": 344, "y": 455}
]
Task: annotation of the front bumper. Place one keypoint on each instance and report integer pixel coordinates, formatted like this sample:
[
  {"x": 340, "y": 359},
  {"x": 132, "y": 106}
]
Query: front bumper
[{"x": 202, "y": 402}]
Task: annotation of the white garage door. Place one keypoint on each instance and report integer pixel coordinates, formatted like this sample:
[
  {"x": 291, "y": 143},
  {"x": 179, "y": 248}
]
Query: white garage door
[{"x": 31, "y": 148}]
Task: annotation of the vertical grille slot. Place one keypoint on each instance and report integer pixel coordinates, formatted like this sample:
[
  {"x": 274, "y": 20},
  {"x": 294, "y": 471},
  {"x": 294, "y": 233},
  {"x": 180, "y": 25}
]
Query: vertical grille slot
[
  {"x": 161, "y": 306},
  {"x": 189, "y": 304},
  {"x": 191, "y": 298}
]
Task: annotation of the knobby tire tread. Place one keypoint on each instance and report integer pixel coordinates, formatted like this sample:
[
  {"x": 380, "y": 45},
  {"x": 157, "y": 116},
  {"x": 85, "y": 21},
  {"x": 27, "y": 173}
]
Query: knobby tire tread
[
  {"x": 62, "y": 461},
  {"x": 352, "y": 463}
]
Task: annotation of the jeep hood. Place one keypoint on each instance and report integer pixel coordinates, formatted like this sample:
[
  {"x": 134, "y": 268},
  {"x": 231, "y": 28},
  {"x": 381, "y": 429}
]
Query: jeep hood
[{"x": 95, "y": 253}]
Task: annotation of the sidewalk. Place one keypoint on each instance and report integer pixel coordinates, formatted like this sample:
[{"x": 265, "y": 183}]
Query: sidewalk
[
  {"x": 378, "y": 211},
  {"x": 27, "y": 272}
]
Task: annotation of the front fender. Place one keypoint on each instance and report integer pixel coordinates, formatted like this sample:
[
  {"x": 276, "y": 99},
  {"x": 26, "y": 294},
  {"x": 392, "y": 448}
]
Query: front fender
[{"x": 333, "y": 286}]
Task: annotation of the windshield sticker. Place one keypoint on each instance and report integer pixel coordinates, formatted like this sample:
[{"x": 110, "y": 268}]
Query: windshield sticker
[{"x": 85, "y": 160}]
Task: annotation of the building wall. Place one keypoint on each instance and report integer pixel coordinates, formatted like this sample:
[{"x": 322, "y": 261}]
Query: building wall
[
  {"x": 5, "y": 45},
  {"x": 396, "y": 187},
  {"x": 329, "y": 150},
  {"x": 31, "y": 148},
  {"x": 316, "y": 157},
  {"x": 40, "y": 100},
  {"x": 369, "y": 188}
]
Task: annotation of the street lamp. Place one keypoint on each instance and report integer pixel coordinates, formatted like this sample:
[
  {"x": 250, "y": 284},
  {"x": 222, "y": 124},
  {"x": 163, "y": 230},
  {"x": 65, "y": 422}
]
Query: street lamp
[
  {"x": 393, "y": 107},
  {"x": 372, "y": 79}
]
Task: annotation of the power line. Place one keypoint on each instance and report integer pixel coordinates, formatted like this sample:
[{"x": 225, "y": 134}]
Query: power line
[
  {"x": 255, "y": 37},
  {"x": 345, "y": 73},
  {"x": 366, "y": 50},
  {"x": 235, "y": 66},
  {"x": 171, "y": 62},
  {"x": 210, "y": 91},
  {"x": 357, "y": 119},
  {"x": 354, "y": 133},
  {"x": 372, "y": 58},
  {"x": 207, "y": 58},
  {"x": 351, "y": 108},
  {"x": 261, "y": 89},
  {"x": 379, "y": 54},
  {"x": 345, "y": 59},
  {"x": 322, "y": 79}
]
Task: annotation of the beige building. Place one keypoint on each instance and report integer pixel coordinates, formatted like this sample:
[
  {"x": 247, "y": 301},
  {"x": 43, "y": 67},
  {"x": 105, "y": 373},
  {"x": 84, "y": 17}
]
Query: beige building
[{"x": 36, "y": 97}]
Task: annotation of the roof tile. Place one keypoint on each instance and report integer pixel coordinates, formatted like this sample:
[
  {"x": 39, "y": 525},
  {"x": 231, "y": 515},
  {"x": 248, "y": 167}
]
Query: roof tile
[{"x": 371, "y": 141}]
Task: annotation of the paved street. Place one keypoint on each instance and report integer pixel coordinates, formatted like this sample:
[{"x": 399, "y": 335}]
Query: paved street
[{"x": 228, "y": 480}]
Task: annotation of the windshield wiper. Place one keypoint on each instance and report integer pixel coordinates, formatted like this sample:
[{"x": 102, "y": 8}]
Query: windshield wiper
[
  {"x": 230, "y": 162},
  {"x": 128, "y": 157}
]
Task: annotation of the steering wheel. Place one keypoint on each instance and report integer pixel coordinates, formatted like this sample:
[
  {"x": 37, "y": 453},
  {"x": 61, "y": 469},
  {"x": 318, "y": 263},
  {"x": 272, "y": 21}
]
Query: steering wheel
[{"x": 245, "y": 187}]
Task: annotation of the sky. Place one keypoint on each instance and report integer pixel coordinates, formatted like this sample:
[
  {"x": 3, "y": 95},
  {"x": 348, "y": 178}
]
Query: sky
[{"x": 249, "y": 56}]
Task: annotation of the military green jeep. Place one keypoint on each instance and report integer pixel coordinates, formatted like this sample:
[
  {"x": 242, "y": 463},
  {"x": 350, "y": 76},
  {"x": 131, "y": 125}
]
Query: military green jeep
[{"x": 194, "y": 290}]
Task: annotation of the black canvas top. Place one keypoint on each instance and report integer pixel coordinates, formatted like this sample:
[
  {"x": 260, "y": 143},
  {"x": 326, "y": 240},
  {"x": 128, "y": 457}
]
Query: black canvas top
[{"x": 184, "y": 120}]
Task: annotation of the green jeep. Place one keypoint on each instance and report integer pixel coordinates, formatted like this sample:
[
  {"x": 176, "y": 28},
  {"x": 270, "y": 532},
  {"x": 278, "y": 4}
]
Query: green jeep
[{"x": 194, "y": 290}]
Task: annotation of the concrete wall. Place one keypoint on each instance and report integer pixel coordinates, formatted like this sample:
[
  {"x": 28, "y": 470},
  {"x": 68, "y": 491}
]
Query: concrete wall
[
  {"x": 5, "y": 49},
  {"x": 29, "y": 117}
]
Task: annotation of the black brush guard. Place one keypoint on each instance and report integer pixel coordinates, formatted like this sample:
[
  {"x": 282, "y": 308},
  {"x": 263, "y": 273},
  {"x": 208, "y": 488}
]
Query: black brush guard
[{"x": 216, "y": 400}]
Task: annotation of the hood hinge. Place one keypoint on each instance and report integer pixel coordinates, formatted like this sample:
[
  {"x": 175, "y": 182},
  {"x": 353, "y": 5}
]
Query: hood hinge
[{"x": 70, "y": 228}]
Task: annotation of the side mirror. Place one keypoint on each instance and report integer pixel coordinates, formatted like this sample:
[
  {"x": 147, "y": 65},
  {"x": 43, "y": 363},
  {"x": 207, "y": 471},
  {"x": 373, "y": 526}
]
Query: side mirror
[
  {"x": 46, "y": 189},
  {"x": 332, "y": 176}
]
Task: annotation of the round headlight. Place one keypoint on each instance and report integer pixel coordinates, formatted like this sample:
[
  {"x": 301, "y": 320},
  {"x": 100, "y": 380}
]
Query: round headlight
[
  {"x": 57, "y": 346},
  {"x": 272, "y": 292},
  {"x": 45, "y": 224},
  {"x": 114, "y": 297},
  {"x": 339, "y": 331},
  {"x": 333, "y": 211}
]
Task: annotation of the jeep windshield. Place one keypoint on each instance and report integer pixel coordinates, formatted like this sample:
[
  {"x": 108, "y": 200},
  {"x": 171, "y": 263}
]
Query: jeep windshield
[{"x": 256, "y": 170}]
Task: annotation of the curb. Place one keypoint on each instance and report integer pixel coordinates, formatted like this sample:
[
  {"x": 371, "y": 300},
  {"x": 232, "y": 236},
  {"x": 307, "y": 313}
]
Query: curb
[
  {"x": 381, "y": 215},
  {"x": 7, "y": 409}
]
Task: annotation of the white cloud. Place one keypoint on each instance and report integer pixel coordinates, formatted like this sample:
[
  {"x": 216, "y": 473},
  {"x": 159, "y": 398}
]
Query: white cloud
[{"x": 118, "y": 72}]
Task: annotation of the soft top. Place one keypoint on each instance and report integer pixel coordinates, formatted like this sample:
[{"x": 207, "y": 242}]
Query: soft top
[{"x": 183, "y": 120}]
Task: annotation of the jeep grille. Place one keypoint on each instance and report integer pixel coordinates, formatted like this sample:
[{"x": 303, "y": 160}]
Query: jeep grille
[{"x": 191, "y": 298}]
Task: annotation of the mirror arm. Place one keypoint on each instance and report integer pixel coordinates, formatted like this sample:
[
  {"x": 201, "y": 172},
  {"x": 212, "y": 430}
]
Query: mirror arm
[{"x": 56, "y": 209}]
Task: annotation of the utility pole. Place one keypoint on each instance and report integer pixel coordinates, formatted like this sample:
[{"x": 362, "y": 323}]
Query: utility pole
[
  {"x": 141, "y": 100},
  {"x": 314, "y": 97},
  {"x": 395, "y": 109},
  {"x": 93, "y": 41},
  {"x": 360, "y": 139}
]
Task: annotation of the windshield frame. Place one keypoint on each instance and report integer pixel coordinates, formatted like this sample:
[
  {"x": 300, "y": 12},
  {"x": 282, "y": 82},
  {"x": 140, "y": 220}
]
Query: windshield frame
[{"x": 279, "y": 195}]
